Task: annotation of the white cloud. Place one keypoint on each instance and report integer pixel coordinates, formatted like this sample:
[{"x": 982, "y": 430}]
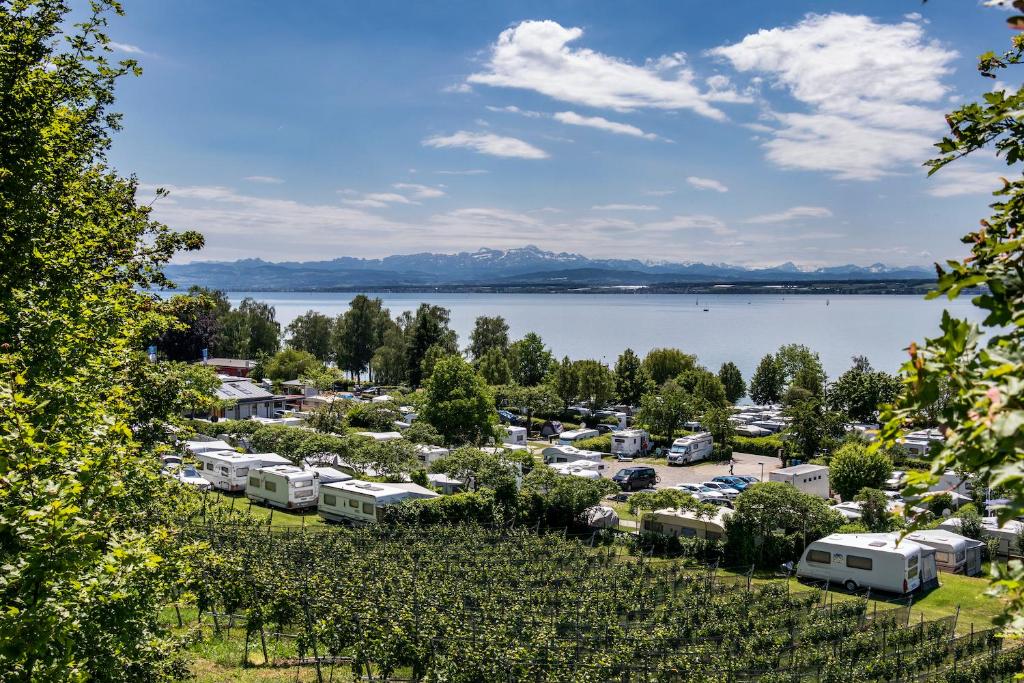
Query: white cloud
[
  {"x": 266, "y": 179},
  {"x": 913, "y": 16},
  {"x": 574, "y": 119},
  {"x": 690, "y": 222},
  {"x": 488, "y": 143},
  {"x": 659, "y": 193},
  {"x": 126, "y": 47},
  {"x": 624, "y": 207},
  {"x": 417, "y": 191},
  {"x": 862, "y": 82},
  {"x": 468, "y": 171},
  {"x": 457, "y": 88},
  {"x": 512, "y": 109},
  {"x": 791, "y": 214},
  {"x": 707, "y": 184},
  {"x": 536, "y": 55},
  {"x": 963, "y": 178}
]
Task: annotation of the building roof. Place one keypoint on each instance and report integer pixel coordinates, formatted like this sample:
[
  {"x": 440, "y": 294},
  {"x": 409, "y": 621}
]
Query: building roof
[
  {"x": 942, "y": 537},
  {"x": 241, "y": 390},
  {"x": 230, "y": 363},
  {"x": 717, "y": 519},
  {"x": 800, "y": 469},
  {"x": 885, "y": 541}
]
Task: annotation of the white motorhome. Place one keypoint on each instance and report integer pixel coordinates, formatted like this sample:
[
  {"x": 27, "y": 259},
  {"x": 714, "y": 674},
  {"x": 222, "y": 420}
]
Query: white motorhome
[
  {"x": 381, "y": 436},
  {"x": 688, "y": 524},
  {"x": 812, "y": 479},
  {"x": 559, "y": 454},
  {"x": 283, "y": 486},
  {"x": 428, "y": 454},
  {"x": 953, "y": 552},
  {"x": 630, "y": 442},
  {"x": 268, "y": 459},
  {"x": 227, "y": 470},
  {"x": 588, "y": 465},
  {"x": 856, "y": 561},
  {"x": 691, "y": 448},
  {"x": 515, "y": 436},
  {"x": 359, "y": 502},
  {"x": 574, "y": 435},
  {"x": 1007, "y": 534}
]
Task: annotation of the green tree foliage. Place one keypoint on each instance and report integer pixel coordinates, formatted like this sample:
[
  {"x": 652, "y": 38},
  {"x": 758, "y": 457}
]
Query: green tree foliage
[
  {"x": 198, "y": 320},
  {"x": 813, "y": 428},
  {"x": 374, "y": 417},
  {"x": 329, "y": 418},
  {"x": 540, "y": 400},
  {"x": 854, "y": 466},
  {"x": 458, "y": 403},
  {"x": 249, "y": 330},
  {"x": 559, "y": 500},
  {"x": 595, "y": 383},
  {"x": 802, "y": 368},
  {"x": 732, "y": 381},
  {"x": 388, "y": 459},
  {"x": 489, "y": 333},
  {"x": 768, "y": 382},
  {"x": 390, "y": 361},
  {"x": 631, "y": 379},
  {"x": 430, "y": 360},
  {"x": 311, "y": 332},
  {"x": 703, "y": 386},
  {"x": 87, "y": 544},
  {"x": 715, "y": 420},
  {"x": 358, "y": 333},
  {"x": 874, "y": 510},
  {"x": 564, "y": 381},
  {"x": 773, "y": 522},
  {"x": 861, "y": 390},
  {"x": 291, "y": 364},
  {"x": 498, "y": 471},
  {"x": 664, "y": 412},
  {"x": 665, "y": 364},
  {"x": 494, "y": 367},
  {"x": 529, "y": 360},
  {"x": 428, "y": 327},
  {"x": 421, "y": 432}
]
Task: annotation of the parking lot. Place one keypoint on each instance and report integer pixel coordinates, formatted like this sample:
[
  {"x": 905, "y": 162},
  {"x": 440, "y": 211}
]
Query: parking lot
[{"x": 743, "y": 463}]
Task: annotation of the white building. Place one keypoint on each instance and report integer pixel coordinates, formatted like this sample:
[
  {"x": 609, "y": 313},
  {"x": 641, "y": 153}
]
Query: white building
[{"x": 812, "y": 479}]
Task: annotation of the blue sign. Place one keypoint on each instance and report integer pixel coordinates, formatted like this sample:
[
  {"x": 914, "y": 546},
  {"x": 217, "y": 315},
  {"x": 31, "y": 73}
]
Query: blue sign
[{"x": 206, "y": 354}]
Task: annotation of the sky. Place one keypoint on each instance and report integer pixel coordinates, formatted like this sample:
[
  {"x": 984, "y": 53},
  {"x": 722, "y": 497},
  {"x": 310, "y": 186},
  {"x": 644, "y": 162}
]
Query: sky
[{"x": 750, "y": 133}]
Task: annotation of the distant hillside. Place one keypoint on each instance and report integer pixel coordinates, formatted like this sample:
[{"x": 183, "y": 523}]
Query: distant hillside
[{"x": 525, "y": 266}]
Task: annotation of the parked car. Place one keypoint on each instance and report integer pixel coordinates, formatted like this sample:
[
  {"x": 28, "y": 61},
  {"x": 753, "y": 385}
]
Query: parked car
[
  {"x": 188, "y": 475},
  {"x": 702, "y": 493},
  {"x": 896, "y": 480},
  {"x": 510, "y": 418},
  {"x": 735, "y": 482},
  {"x": 606, "y": 429},
  {"x": 726, "y": 490},
  {"x": 747, "y": 478},
  {"x": 636, "y": 478}
]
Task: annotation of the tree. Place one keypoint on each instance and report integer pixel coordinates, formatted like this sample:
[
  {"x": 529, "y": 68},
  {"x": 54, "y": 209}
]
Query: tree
[
  {"x": 428, "y": 327},
  {"x": 489, "y": 333},
  {"x": 642, "y": 502},
  {"x": 311, "y": 332},
  {"x": 861, "y": 391},
  {"x": 559, "y": 500},
  {"x": 494, "y": 367},
  {"x": 665, "y": 412},
  {"x": 478, "y": 469},
  {"x": 854, "y": 467},
  {"x": 715, "y": 420},
  {"x": 595, "y": 383},
  {"x": 802, "y": 367},
  {"x": 89, "y": 546},
  {"x": 773, "y": 522},
  {"x": 732, "y": 381},
  {"x": 390, "y": 361},
  {"x": 539, "y": 400},
  {"x": 812, "y": 428},
  {"x": 664, "y": 364},
  {"x": 458, "y": 403},
  {"x": 631, "y": 379},
  {"x": 564, "y": 381},
  {"x": 529, "y": 360},
  {"x": 358, "y": 333},
  {"x": 874, "y": 510},
  {"x": 290, "y": 364},
  {"x": 249, "y": 330},
  {"x": 198, "y": 320},
  {"x": 703, "y": 386},
  {"x": 434, "y": 354},
  {"x": 768, "y": 382},
  {"x": 388, "y": 459}
]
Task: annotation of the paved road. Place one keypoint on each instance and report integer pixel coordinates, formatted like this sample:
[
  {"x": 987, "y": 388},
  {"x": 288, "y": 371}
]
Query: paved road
[{"x": 744, "y": 463}]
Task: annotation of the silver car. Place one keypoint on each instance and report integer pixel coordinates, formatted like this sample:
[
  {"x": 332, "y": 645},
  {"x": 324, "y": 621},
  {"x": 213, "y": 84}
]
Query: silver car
[{"x": 726, "y": 490}]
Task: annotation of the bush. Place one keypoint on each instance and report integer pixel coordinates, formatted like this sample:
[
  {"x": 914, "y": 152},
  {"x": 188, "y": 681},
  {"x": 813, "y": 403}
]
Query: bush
[
  {"x": 721, "y": 452},
  {"x": 854, "y": 467},
  {"x": 602, "y": 444},
  {"x": 458, "y": 508},
  {"x": 759, "y": 445},
  {"x": 377, "y": 417},
  {"x": 700, "y": 549}
]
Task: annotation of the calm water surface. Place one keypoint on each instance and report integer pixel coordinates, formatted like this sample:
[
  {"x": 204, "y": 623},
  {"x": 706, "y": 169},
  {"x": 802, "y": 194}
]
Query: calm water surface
[{"x": 735, "y": 327}]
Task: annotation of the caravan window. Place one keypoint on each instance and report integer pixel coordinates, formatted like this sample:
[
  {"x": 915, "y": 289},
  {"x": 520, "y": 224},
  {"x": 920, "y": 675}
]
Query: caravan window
[
  {"x": 302, "y": 484},
  {"x": 353, "y": 503},
  {"x": 270, "y": 486},
  {"x": 912, "y": 562},
  {"x": 858, "y": 562},
  {"x": 911, "y": 573},
  {"x": 330, "y": 499},
  {"x": 367, "y": 508},
  {"x": 254, "y": 481},
  {"x": 943, "y": 558},
  {"x": 225, "y": 470},
  {"x": 689, "y": 532},
  {"x": 209, "y": 466},
  {"x": 819, "y": 557},
  {"x": 242, "y": 471}
]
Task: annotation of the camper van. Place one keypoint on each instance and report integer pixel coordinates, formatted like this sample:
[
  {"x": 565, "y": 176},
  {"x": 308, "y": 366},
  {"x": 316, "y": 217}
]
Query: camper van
[
  {"x": 691, "y": 449},
  {"x": 358, "y": 501},
  {"x": 864, "y": 561},
  {"x": 283, "y": 486},
  {"x": 515, "y": 436},
  {"x": 381, "y": 436},
  {"x": 572, "y": 436},
  {"x": 630, "y": 442},
  {"x": 599, "y": 467},
  {"x": 558, "y": 454},
  {"x": 227, "y": 470}
]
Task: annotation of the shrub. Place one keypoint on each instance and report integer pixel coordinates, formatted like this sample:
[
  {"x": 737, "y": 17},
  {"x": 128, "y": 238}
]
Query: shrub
[
  {"x": 458, "y": 508},
  {"x": 378, "y": 417},
  {"x": 758, "y": 445},
  {"x": 602, "y": 444},
  {"x": 854, "y": 467}
]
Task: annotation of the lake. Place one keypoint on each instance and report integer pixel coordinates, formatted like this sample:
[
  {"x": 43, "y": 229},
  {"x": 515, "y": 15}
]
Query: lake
[{"x": 735, "y": 328}]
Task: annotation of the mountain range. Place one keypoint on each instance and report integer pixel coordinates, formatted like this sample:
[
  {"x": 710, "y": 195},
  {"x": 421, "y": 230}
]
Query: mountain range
[{"x": 525, "y": 266}]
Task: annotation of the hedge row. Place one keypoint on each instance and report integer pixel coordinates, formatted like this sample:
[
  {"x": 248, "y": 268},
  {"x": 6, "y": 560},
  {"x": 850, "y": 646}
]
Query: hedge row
[{"x": 758, "y": 445}]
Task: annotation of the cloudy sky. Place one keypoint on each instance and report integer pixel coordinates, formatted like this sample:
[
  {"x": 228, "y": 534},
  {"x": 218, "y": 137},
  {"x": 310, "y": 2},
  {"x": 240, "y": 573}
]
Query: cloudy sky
[{"x": 741, "y": 132}]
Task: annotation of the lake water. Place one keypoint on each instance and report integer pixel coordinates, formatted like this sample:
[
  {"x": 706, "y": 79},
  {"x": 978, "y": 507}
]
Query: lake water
[{"x": 735, "y": 328}]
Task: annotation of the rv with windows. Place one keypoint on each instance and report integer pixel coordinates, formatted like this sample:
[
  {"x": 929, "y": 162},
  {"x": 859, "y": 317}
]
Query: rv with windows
[
  {"x": 227, "y": 470},
  {"x": 1006, "y": 534},
  {"x": 570, "y": 437},
  {"x": 630, "y": 442},
  {"x": 857, "y": 561},
  {"x": 558, "y": 454},
  {"x": 691, "y": 448},
  {"x": 283, "y": 486},
  {"x": 687, "y": 524},
  {"x": 577, "y": 469},
  {"x": 359, "y": 502},
  {"x": 428, "y": 454},
  {"x": 953, "y": 553}
]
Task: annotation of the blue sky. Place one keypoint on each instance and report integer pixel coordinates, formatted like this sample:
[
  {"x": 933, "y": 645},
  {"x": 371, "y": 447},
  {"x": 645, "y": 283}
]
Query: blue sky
[{"x": 750, "y": 133}]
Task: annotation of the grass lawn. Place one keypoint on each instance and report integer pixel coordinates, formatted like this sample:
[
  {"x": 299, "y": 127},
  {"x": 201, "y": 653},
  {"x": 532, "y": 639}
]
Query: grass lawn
[{"x": 278, "y": 519}]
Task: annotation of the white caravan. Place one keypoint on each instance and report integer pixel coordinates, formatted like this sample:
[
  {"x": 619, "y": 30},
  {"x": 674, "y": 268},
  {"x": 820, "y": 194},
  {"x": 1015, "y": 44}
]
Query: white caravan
[
  {"x": 812, "y": 479},
  {"x": 630, "y": 442},
  {"x": 428, "y": 454},
  {"x": 197, "y": 447},
  {"x": 358, "y": 501},
  {"x": 515, "y": 436},
  {"x": 953, "y": 552},
  {"x": 283, "y": 486},
  {"x": 688, "y": 524},
  {"x": 227, "y": 470},
  {"x": 864, "y": 561},
  {"x": 576, "y": 469},
  {"x": 691, "y": 448},
  {"x": 571, "y": 437},
  {"x": 558, "y": 454},
  {"x": 599, "y": 468},
  {"x": 381, "y": 436}
]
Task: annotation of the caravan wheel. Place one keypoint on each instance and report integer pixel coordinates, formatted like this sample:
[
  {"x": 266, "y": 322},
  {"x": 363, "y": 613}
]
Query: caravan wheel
[{"x": 851, "y": 585}]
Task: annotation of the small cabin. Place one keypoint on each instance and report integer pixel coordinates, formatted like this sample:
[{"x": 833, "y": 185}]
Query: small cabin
[
  {"x": 812, "y": 479},
  {"x": 427, "y": 454}
]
